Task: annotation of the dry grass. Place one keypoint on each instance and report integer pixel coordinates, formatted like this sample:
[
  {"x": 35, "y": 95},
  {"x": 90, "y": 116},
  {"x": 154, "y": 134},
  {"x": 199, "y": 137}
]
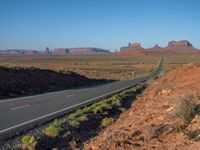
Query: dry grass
[{"x": 185, "y": 108}]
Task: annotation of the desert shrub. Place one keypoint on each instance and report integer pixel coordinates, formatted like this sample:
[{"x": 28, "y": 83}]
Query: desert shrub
[
  {"x": 79, "y": 111},
  {"x": 94, "y": 105},
  {"x": 29, "y": 142},
  {"x": 105, "y": 106},
  {"x": 185, "y": 108},
  {"x": 192, "y": 135},
  {"x": 51, "y": 131},
  {"x": 115, "y": 97},
  {"x": 153, "y": 131},
  {"x": 116, "y": 102},
  {"x": 83, "y": 118},
  {"x": 86, "y": 109},
  {"x": 122, "y": 109},
  {"x": 73, "y": 115},
  {"x": 74, "y": 123},
  {"x": 57, "y": 123},
  {"x": 97, "y": 110},
  {"x": 107, "y": 121}
]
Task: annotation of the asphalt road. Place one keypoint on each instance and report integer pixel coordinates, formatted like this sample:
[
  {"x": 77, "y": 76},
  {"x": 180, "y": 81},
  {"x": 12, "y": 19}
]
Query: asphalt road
[{"x": 25, "y": 112}]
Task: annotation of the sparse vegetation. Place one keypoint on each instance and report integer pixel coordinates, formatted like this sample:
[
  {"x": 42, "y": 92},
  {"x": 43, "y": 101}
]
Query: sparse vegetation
[
  {"x": 83, "y": 118},
  {"x": 29, "y": 142},
  {"x": 192, "y": 135},
  {"x": 104, "y": 112},
  {"x": 111, "y": 67},
  {"x": 51, "y": 131},
  {"x": 185, "y": 107},
  {"x": 107, "y": 121},
  {"x": 74, "y": 123},
  {"x": 122, "y": 109}
]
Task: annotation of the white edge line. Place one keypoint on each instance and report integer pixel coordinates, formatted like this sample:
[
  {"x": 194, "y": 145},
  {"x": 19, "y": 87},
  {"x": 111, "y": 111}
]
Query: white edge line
[{"x": 56, "y": 112}]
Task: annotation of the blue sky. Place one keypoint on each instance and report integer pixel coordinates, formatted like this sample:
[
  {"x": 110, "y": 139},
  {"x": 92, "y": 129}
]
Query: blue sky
[{"x": 109, "y": 24}]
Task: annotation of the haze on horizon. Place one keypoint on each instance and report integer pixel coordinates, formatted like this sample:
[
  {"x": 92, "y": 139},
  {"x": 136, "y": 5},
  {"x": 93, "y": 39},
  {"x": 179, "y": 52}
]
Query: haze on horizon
[{"x": 108, "y": 24}]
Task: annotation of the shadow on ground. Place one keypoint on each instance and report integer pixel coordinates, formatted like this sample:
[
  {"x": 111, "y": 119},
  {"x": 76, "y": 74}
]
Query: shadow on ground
[{"x": 17, "y": 82}]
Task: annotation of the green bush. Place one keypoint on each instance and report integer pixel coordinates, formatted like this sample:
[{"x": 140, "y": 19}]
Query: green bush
[
  {"x": 93, "y": 105},
  {"x": 83, "y": 118},
  {"x": 107, "y": 121},
  {"x": 51, "y": 131},
  {"x": 97, "y": 109},
  {"x": 86, "y": 109},
  {"x": 192, "y": 135},
  {"x": 29, "y": 142},
  {"x": 105, "y": 106},
  {"x": 57, "y": 123},
  {"x": 122, "y": 109},
  {"x": 73, "y": 115},
  {"x": 116, "y": 103},
  {"x": 79, "y": 111},
  {"x": 74, "y": 123}
]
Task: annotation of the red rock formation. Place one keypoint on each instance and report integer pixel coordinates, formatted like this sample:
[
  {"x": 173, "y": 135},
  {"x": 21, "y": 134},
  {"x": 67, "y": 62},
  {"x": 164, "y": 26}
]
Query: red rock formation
[
  {"x": 182, "y": 46},
  {"x": 60, "y": 51},
  {"x": 47, "y": 51},
  {"x": 30, "y": 52},
  {"x": 183, "y": 43},
  {"x": 132, "y": 49},
  {"x": 87, "y": 50},
  {"x": 156, "y": 48},
  {"x": 18, "y": 52}
]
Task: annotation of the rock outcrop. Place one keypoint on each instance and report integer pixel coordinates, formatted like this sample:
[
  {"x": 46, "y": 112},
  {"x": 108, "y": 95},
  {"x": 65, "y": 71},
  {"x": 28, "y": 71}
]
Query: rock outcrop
[
  {"x": 19, "y": 52},
  {"x": 135, "y": 49},
  {"x": 61, "y": 51},
  {"x": 56, "y": 51},
  {"x": 132, "y": 47},
  {"x": 47, "y": 51},
  {"x": 157, "y": 48},
  {"x": 182, "y": 46}
]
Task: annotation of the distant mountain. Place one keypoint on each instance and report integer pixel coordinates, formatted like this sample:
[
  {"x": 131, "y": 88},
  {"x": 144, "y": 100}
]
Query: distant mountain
[
  {"x": 19, "y": 52},
  {"x": 182, "y": 46},
  {"x": 133, "y": 49},
  {"x": 62, "y": 51},
  {"x": 56, "y": 51},
  {"x": 157, "y": 48}
]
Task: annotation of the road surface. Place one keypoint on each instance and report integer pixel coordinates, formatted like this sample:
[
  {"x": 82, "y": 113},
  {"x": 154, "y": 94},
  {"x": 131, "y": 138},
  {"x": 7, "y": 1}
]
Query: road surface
[{"x": 22, "y": 113}]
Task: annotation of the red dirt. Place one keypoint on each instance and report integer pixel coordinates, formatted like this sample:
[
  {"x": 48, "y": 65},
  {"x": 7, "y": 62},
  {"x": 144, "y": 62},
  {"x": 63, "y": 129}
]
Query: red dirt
[{"x": 150, "y": 123}]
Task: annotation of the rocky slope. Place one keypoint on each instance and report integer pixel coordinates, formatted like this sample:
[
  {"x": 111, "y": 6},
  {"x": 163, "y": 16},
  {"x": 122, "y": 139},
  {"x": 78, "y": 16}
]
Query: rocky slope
[{"x": 166, "y": 117}]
